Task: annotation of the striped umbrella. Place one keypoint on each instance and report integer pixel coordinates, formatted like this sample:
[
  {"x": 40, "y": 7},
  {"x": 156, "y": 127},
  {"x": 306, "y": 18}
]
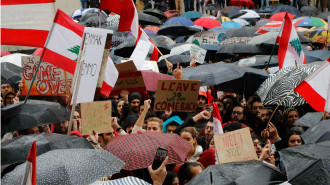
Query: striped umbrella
[{"x": 274, "y": 26}]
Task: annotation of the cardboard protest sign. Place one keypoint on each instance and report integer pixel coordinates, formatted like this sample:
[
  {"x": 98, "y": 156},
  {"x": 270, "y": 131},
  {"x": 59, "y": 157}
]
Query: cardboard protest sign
[
  {"x": 180, "y": 95},
  {"x": 91, "y": 61},
  {"x": 96, "y": 116},
  {"x": 197, "y": 54},
  {"x": 208, "y": 37},
  {"x": 235, "y": 146},
  {"x": 50, "y": 80}
]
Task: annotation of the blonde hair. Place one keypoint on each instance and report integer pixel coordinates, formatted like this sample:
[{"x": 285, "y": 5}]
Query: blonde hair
[{"x": 155, "y": 119}]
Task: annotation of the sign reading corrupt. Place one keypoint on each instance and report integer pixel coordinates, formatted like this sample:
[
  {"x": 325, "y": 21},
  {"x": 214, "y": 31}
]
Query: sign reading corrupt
[
  {"x": 50, "y": 80},
  {"x": 235, "y": 146},
  {"x": 180, "y": 95},
  {"x": 96, "y": 116}
]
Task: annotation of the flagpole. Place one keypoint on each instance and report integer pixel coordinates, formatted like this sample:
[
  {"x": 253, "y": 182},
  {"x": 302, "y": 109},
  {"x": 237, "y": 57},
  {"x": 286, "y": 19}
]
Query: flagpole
[
  {"x": 160, "y": 52},
  {"x": 271, "y": 54},
  {"x": 33, "y": 79},
  {"x": 100, "y": 18}
]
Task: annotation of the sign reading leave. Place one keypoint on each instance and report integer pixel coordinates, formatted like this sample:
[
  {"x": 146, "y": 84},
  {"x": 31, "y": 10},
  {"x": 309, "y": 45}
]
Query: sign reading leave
[
  {"x": 50, "y": 80},
  {"x": 180, "y": 95},
  {"x": 235, "y": 146},
  {"x": 96, "y": 116}
]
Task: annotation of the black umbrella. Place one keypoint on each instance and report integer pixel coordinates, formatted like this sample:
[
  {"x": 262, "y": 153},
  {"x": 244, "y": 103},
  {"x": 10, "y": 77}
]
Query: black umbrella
[
  {"x": 262, "y": 60},
  {"x": 159, "y": 6},
  {"x": 318, "y": 133},
  {"x": 177, "y": 30},
  {"x": 239, "y": 173},
  {"x": 317, "y": 55},
  {"x": 240, "y": 48},
  {"x": 323, "y": 15},
  {"x": 227, "y": 77},
  {"x": 287, "y": 8},
  {"x": 308, "y": 163},
  {"x": 225, "y": 11},
  {"x": 20, "y": 116},
  {"x": 157, "y": 13},
  {"x": 241, "y": 32},
  {"x": 184, "y": 60},
  {"x": 88, "y": 15},
  {"x": 309, "y": 11},
  {"x": 309, "y": 119},
  {"x": 146, "y": 19},
  {"x": 10, "y": 73},
  {"x": 17, "y": 149},
  {"x": 69, "y": 166}
]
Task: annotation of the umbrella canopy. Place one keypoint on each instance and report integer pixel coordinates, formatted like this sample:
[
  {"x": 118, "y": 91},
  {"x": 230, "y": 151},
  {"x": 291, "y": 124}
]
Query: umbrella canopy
[
  {"x": 193, "y": 15},
  {"x": 4, "y": 53},
  {"x": 152, "y": 28},
  {"x": 223, "y": 19},
  {"x": 235, "y": 40},
  {"x": 287, "y": 8},
  {"x": 218, "y": 28},
  {"x": 156, "y": 12},
  {"x": 273, "y": 26},
  {"x": 179, "y": 20},
  {"x": 242, "y": 3},
  {"x": 249, "y": 14},
  {"x": 309, "y": 11},
  {"x": 231, "y": 24},
  {"x": 113, "y": 20},
  {"x": 318, "y": 36},
  {"x": 10, "y": 73},
  {"x": 207, "y": 22},
  {"x": 323, "y": 15},
  {"x": 177, "y": 30},
  {"x": 317, "y": 55},
  {"x": 236, "y": 13},
  {"x": 17, "y": 149},
  {"x": 318, "y": 133},
  {"x": 138, "y": 150},
  {"x": 241, "y": 32},
  {"x": 15, "y": 58},
  {"x": 280, "y": 16},
  {"x": 146, "y": 19},
  {"x": 184, "y": 60},
  {"x": 225, "y": 11},
  {"x": 276, "y": 87},
  {"x": 122, "y": 181},
  {"x": 308, "y": 163},
  {"x": 262, "y": 60},
  {"x": 239, "y": 173},
  {"x": 309, "y": 119},
  {"x": 69, "y": 166},
  {"x": 311, "y": 21},
  {"x": 20, "y": 116},
  {"x": 269, "y": 37},
  {"x": 241, "y": 22},
  {"x": 240, "y": 48},
  {"x": 181, "y": 49}
]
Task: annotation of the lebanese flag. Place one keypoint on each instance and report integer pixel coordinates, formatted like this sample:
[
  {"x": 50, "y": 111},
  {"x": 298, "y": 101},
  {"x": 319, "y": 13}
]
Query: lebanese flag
[
  {"x": 62, "y": 49},
  {"x": 219, "y": 14},
  {"x": 316, "y": 88},
  {"x": 26, "y": 22},
  {"x": 30, "y": 174},
  {"x": 206, "y": 2},
  {"x": 216, "y": 119},
  {"x": 290, "y": 52}
]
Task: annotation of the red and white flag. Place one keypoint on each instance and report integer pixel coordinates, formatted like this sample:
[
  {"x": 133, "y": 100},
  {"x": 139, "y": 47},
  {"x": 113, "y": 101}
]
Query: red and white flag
[
  {"x": 219, "y": 14},
  {"x": 316, "y": 88},
  {"x": 30, "y": 174},
  {"x": 26, "y": 22},
  {"x": 206, "y": 2},
  {"x": 290, "y": 51},
  {"x": 216, "y": 119},
  {"x": 62, "y": 49}
]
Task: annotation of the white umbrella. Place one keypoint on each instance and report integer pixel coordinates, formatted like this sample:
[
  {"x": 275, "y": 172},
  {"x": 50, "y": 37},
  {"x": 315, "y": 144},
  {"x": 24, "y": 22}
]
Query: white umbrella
[
  {"x": 250, "y": 14},
  {"x": 240, "y": 21},
  {"x": 15, "y": 58}
]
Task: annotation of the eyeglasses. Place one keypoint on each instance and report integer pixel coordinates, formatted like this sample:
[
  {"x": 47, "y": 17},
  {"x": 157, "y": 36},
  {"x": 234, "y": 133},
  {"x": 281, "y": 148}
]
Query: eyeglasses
[
  {"x": 208, "y": 127},
  {"x": 256, "y": 107},
  {"x": 237, "y": 112},
  {"x": 259, "y": 143}
]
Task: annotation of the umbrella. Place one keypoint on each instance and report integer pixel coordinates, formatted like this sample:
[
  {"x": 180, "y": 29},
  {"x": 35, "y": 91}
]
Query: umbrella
[
  {"x": 318, "y": 133},
  {"x": 192, "y": 15},
  {"x": 249, "y": 14},
  {"x": 69, "y": 166},
  {"x": 228, "y": 77},
  {"x": 311, "y": 21},
  {"x": 4, "y": 53},
  {"x": 177, "y": 30},
  {"x": 280, "y": 16},
  {"x": 181, "y": 49},
  {"x": 242, "y": 3},
  {"x": 138, "y": 150},
  {"x": 273, "y": 26},
  {"x": 130, "y": 180},
  {"x": 308, "y": 163},
  {"x": 230, "y": 24},
  {"x": 162, "y": 7},
  {"x": 146, "y": 19},
  {"x": 309, "y": 119},
  {"x": 276, "y": 87},
  {"x": 223, "y": 19},
  {"x": 323, "y": 15},
  {"x": 152, "y": 28},
  {"x": 10, "y": 73},
  {"x": 179, "y": 20},
  {"x": 262, "y": 60},
  {"x": 168, "y": 41},
  {"x": 94, "y": 21},
  {"x": 225, "y": 11},
  {"x": 241, "y": 22},
  {"x": 218, "y": 29},
  {"x": 155, "y": 12},
  {"x": 113, "y": 20},
  {"x": 269, "y": 37},
  {"x": 309, "y": 11},
  {"x": 239, "y": 173},
  {"x": 17, "y": 149},
  {"x": 15, "y": 58},
  {"x": 236, "y": 13},
  {"x": 236, "y": 40},
  {"x": 174, "y": 59},
  {"x": 317, "y": 55},
  {"x": 239, "y": 48},
  {"x": 241, "y": 32},
  {"x": 287, "y": 8},
  {"x": 207, "y": 22},
  {"x": 261, "y": 23},
  {"x": 318, "y": 36},
  {"x": 20, "y": 116},
  {"x": 94, "y": 16}
]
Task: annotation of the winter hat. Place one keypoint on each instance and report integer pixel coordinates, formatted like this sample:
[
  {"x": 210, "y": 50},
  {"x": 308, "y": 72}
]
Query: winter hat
[{"x": 134, "y": 95}]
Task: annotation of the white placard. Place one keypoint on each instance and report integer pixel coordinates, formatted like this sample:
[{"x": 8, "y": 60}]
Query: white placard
[
  {"x": 198, "y": 54},
  {"x": 140, "y": 53},
  {"x": 91, "y": 57},
  {"x": 150, "y": 65}
]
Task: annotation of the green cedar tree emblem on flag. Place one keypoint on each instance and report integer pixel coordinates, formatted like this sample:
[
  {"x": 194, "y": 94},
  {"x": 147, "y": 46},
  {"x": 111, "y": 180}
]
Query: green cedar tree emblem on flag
[
  {"x": 196, "y": 42},
  {"x": 75, "y": 50},
  {"x": 297, "y": 45}
]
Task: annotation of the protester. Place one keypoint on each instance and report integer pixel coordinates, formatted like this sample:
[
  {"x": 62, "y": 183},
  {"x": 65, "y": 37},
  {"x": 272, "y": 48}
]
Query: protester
[
  {"x": 9, "y": 98},
  {"x": 189, "y": 134},
  {"x": 188, "y": 171}
]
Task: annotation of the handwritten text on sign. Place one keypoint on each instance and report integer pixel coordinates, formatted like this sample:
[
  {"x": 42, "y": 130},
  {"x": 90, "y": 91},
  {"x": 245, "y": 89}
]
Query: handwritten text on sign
[
  {"x": 50, "y": 80},
  {"x": 208, "y": 37},
  {"x": 180, "y": 95},
  {"x": 131, "y": 81},
  {"x": 235, "y": 146},
  {"x": 96, "y": 116}
]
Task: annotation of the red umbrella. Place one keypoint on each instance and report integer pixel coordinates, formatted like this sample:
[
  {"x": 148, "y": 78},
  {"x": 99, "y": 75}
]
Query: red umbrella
[
  {"x": 138, "y": 150},
  {"x": 280, "y": 16},
  {"x": 38, "y": 52},
  {"x": 4, "y": 53},
  {"x": 242, "y": 3},
  {"x": 207, "y": 22}
]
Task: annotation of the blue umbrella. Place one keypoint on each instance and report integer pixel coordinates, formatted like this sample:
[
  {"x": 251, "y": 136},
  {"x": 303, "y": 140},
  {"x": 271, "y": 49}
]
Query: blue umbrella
[
  {"x": 192, "y": 15},
  {"x": 218, "y": 28},
  {"x": 230, "y": 24},
  {"x": 179, "y": 20},
  {"x": 287, "y": 8}
]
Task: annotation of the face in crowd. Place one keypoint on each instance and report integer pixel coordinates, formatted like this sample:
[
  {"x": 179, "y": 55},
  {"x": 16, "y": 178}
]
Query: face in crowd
[
  {"x": 171, "y": 128},
  {"x": 238, "y": 114},
  {"x": 292, "y": 118},
  {"x": 257, "y": 107},
  {"x": 5, "y": 88},
  {"x": 154, "y": 125},
  {"x": 209, "y": 130},
  {"x": 135, "y": 105}
]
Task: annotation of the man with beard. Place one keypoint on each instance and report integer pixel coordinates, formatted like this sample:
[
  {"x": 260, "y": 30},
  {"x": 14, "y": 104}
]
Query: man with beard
[{"x": 134, "y": 102}]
